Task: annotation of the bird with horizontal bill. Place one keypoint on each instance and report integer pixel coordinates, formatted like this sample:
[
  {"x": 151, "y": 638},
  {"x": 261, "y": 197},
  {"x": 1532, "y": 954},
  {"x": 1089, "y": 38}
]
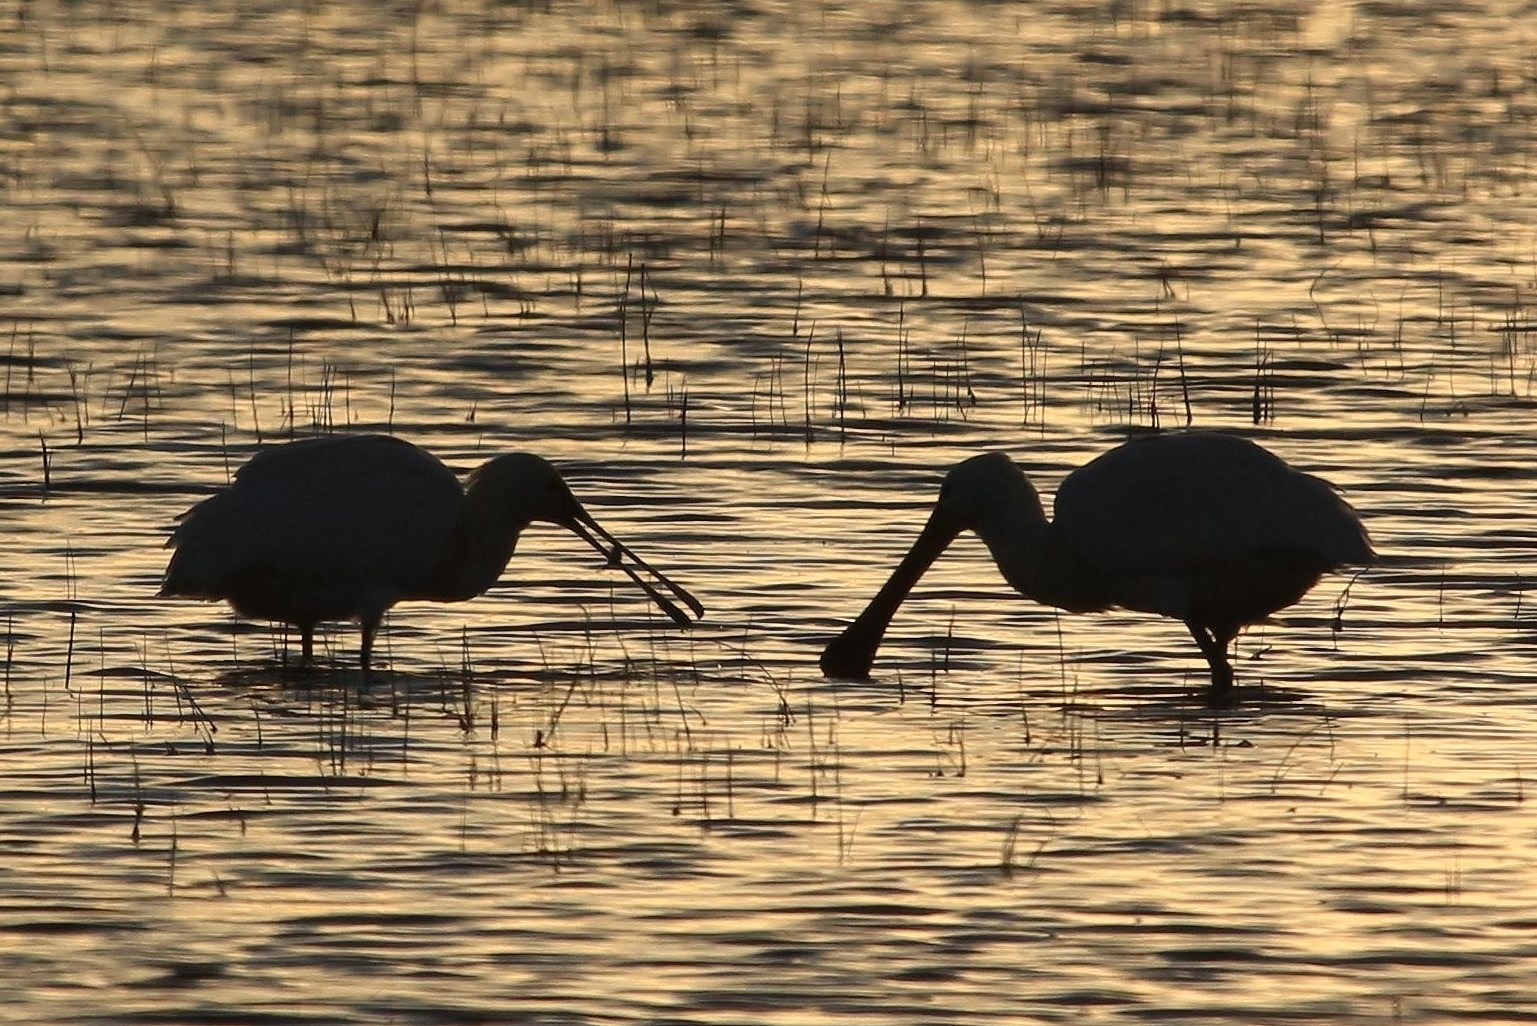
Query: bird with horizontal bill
[
  {"x": 1206, "y": 528},
  {"x": 343, "y": 527}
]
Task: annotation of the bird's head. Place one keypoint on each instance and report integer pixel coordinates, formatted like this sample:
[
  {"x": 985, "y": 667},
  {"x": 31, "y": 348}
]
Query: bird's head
[
  {"x": 528, "y": 488},
  {"x": 983, "y": 487},
  {"x": 976, "y": 487}
]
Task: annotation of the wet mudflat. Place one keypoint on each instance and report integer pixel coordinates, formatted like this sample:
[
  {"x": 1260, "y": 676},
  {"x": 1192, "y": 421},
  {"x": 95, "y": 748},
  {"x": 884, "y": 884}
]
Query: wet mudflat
[{"x": 754, "y": 275}]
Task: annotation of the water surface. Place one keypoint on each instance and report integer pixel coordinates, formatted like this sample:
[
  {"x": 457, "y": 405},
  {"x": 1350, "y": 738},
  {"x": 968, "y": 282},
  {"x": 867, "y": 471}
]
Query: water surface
[{"x": 754, "y": 275}]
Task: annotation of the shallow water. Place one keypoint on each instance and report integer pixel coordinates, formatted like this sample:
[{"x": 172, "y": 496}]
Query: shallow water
[{"x": 754, "y": 275}]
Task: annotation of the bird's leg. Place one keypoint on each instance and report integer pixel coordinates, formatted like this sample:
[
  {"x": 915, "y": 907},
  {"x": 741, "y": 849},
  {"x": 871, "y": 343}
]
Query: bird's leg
[
  {"x": 306, "y": 645},
  {"x": 369, "y": 625},
  {"x": 1214, "y": 647}
]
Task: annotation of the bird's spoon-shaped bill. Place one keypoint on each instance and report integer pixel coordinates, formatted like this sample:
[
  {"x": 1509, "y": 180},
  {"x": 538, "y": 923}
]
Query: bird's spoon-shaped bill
[
  {"x": 614, "y": 552},
  {"x": 850, "y": 655}
]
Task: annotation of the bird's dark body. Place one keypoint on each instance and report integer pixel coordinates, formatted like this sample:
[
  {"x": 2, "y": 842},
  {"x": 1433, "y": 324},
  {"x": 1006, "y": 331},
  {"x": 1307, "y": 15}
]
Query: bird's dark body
[
  {"x": 321, "y": 529},
  {"x": 1162, "y": 504}
]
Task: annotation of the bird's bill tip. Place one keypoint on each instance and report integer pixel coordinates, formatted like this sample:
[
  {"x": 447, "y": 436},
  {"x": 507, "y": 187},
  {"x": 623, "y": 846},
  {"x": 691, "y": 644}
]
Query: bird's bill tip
[
  {"x": 621, "y": 557},
  {"x": 846, "y": 659}
]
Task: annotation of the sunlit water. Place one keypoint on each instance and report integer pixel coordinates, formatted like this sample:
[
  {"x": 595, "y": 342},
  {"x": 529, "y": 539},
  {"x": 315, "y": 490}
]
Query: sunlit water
[{"x": 754, "y": 274}]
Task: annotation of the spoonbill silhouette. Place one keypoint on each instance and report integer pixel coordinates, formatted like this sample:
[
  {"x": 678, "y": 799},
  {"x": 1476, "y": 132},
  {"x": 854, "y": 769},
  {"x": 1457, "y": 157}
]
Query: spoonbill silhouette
[
  {"x": 345, "y": 526},
  {"x": 1206, "y": 528}
]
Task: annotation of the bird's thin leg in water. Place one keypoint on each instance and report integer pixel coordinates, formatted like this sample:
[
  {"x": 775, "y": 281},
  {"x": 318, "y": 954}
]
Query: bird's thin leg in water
[
  {"x": 1214, "y": 648},
  {"x": 306, "y": 644},
  {"x": 369, "y": 626}
]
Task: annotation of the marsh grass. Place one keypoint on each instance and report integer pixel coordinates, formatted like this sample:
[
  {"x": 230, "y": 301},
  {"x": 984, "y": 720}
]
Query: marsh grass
[{"x": 872, "y": 247}]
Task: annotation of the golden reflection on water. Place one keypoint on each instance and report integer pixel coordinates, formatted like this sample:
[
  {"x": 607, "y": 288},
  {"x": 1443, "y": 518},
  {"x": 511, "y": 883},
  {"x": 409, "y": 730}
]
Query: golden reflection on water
[{"x": 754, "y": 276}]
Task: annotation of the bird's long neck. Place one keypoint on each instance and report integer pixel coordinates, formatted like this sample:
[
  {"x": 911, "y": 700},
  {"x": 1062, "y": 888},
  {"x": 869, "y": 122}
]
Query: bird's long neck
[
  {"x": 478, "y": 548},
  {"x": 1033, "y": 558}
]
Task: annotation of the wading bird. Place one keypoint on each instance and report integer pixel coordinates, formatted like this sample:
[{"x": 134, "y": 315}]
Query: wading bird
[
  {"x": 344, "y": 527},
  {"x": 1209, "y": 529}
]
